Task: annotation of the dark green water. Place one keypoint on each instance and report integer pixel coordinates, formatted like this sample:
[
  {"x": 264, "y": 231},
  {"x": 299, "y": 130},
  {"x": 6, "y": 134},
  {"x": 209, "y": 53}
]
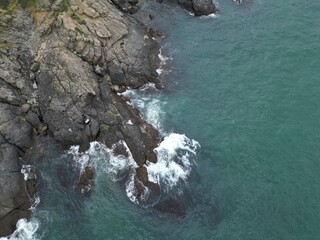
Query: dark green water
[{"x": 245, "y": 85}]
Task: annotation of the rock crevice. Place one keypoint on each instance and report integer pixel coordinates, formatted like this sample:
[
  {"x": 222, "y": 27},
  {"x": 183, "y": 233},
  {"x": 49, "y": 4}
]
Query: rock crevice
[{"x": 60, "y": 73}]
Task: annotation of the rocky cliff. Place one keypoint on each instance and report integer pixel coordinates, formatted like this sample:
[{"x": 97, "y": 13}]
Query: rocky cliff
[{"x": 62, "y": 65}]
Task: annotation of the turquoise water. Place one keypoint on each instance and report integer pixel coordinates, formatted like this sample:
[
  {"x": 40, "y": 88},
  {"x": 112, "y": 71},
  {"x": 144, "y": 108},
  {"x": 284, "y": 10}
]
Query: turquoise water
[
  {"x": 249, "y": 96},
  {"x": 245, "y": 85}
]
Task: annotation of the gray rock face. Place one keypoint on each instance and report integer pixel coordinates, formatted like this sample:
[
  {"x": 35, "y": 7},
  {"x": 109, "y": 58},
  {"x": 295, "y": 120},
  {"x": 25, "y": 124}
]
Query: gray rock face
[
  {"x": 15, "y": 130},
  {"x": 14, "y": 201},
  {"x": 59, "y": 75}
]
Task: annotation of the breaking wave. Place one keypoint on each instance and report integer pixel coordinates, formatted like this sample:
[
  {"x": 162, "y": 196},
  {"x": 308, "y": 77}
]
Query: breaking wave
[
  {"x": 176, "y": 156},
  {"x": 104, "y": 160},
  {"x": 100, "y": 157},
  {"x": 26, "y": 230},
  {"x": 164, "y": 59},
  {"x": 176, "y": 153},
  {"x": 148, "y": 101}
]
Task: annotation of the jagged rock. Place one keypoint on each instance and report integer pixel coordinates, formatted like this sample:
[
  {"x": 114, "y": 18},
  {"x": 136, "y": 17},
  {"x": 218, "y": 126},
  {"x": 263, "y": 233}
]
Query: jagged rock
[
  {"x": 13, "y": 198},
  {"x": 142, "y": 175},
  {"x": 85, "y": 183},
  {"x": 33, "y": 119},
  {"x": 198, "y": 7},
  {"x": 90, "y": 12},
  {"x": 203, "y": 7},
  {"x": 98, "y": 70},
  {"x": 120, "y": 149},
  {"x": 35, "y": 67},
  {"x": 152, "y": 157},
  {"x": 128, "y": 6},
  {"x": 25, "y": 107},
  {"x": 61, "y": 75}
]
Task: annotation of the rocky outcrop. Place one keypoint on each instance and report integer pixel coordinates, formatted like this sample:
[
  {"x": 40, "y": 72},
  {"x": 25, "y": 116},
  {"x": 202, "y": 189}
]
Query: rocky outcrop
[
  {"x": 61, "y": 69},
  {"x": 83, "y": 65},
  {"x": 197, "y": 7},
  {"x": 84, "y": 186},
  {"x": 128, "y": 6}
]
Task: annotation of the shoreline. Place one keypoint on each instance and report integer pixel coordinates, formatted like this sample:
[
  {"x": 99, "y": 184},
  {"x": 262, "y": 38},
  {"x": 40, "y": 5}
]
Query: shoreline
[{"x": 68, "y": 68}]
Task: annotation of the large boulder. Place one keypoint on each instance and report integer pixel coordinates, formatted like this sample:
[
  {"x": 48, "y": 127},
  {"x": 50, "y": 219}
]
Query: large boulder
[
  {"x": 198, "y": 7},
  {"x": 129, "y": 6},
  {"x": 203, "y": 7}
]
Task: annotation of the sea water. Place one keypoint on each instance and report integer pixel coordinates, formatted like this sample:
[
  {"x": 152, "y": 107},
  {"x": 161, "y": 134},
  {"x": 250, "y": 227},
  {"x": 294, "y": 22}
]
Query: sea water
[{"x": 241, "y": 121}]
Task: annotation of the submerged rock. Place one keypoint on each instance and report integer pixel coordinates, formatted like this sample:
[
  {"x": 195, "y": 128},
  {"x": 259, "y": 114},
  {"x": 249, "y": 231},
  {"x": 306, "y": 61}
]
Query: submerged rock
[
  {"x": 85, "y": 184},
  {"x": 171, "y": 206}
]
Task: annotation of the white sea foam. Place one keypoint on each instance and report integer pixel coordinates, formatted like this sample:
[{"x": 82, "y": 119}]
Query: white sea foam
[
  {"x": 26, "y": 230},
  {"x": 98, "y": 155},
  {"x": 130, "y": 189},
  {"x": 212, "y": 15},
  {"x": 35, "y": 203},
  {"x": 176, "y": 153},
  {"x": 150, "y": 106},
  {"x": 28, "y": 172},
  {"x": 103, "y": 159},
  {"x": 163, "y": 61},
  {"x": 117, "y": 164},
  {"x": 176, "y": 156}
]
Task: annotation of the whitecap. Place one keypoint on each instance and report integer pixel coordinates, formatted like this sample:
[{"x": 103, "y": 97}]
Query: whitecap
[
  {"x": 176, "y": 156},
  {"x": 35, "y": 203},
  {"x": 28, "y": 172},
  {"x": 212, "y": 15},
  {"x": 103, "y": 159},
  {"x": 163, "y": 61},
  {"x": 150, "y": 106},
  {"x": 99, "y": 156},
  {"x": 26, "y": 230}
]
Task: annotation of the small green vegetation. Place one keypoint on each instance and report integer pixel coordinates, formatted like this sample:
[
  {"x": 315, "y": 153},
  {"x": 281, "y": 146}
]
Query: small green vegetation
[
  {"x": 3, "y": 42},
  {"x": 79, "y": 30},
  {"x": 4, "y": 4},
  {"x": 76, "y": 18},
  {"x": 27, "y": 3},
  {"x": 64, "y": 6},
  {"x": 8, "y": 6},
  {"x": 104, "y": 127}
]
